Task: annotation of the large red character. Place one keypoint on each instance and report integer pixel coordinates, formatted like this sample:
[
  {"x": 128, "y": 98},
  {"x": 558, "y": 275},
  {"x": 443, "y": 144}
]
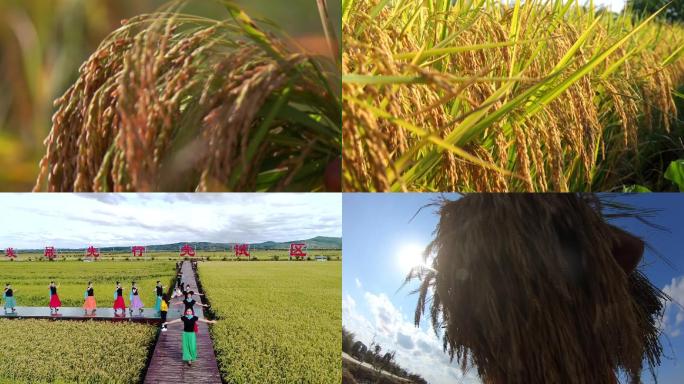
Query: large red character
[
  {"x": 50, "y": 253},
  {"x": 138, "y": 250},
  {"x": 298, "y": 250},
  {"x": 187, "y": 250},
  {"x": 241, "y": 250},
  {"x": 93, "y": 252},
  {"x": 10, "y": 253}
]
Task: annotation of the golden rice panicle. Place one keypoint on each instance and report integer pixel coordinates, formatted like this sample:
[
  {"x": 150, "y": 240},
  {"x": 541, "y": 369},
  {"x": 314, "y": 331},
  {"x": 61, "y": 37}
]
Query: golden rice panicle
[
  {"x": 526, "y": 289},
  {"x": 175, "y": 102},
  {"x": 416, "y": 73}
]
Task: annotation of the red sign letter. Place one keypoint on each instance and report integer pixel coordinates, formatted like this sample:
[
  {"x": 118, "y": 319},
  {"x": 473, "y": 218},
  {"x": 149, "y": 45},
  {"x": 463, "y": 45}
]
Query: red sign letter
[
  {"x": 187, "y": 250},
  {"x": 298, "y": 250},
  {"x": 241, "y": 250}
]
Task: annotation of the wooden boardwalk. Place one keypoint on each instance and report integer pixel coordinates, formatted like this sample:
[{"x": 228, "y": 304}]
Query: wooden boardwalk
[{"x": 166, "y": 365}]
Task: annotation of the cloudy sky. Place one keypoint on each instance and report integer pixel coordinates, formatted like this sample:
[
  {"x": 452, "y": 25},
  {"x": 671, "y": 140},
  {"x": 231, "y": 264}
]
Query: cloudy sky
[
  {"x": 78, "y": 220},
  {"x": 381, "y": 242}
]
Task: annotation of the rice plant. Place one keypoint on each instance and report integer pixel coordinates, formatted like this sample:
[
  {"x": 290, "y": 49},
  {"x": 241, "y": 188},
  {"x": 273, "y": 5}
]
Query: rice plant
[
  {"x": 277, "y": 322},
  {"x": 541, "y": 288},
  {"x": 478, "y": 95},
  {"x": 179, "y": 102},
  {"x": 45, "y": 351}
]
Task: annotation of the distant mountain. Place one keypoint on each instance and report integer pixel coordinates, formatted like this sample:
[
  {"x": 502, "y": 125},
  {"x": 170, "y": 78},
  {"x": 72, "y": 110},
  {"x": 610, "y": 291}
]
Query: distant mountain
[{"x": 318, "y": 242}]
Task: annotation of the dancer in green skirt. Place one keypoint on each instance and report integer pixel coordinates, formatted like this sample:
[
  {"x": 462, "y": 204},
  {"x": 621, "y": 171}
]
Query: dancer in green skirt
[
  {"x": 8, "y": 296},
  {"x": 189, "y": 336}
]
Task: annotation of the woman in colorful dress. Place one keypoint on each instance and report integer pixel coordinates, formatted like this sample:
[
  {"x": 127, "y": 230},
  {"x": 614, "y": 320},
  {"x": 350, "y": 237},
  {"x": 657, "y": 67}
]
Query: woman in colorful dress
[
  {"x": 89, "y": 304},
  {"x": 119, "y": 300},
  {"x": 159, "y": 290},
  {"x": 55, "y": 303},
  {"x": 189, "y": 302},
  {"x": 8, "y": 296},
  {"x": 189, "y": 335},
  {"x": 136, "y": 303}
]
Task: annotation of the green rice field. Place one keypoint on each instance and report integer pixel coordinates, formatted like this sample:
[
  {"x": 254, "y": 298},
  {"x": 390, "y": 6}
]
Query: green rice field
[
  {"x": 30, "y": 280},
  {"x": 277, "y": 322},
  {"x": 73, "y": 352}
]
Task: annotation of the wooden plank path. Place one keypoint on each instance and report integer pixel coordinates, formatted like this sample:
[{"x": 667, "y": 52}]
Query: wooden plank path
[
  {"x": 149, "y": 315},
  {"x": 167, "y": 365}
]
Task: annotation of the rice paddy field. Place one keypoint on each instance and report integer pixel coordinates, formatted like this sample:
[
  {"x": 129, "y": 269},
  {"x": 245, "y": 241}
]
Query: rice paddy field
[
  {"x": 30, "y": 280},
  {"x": 43, "y": 351},
  {"x": 277, "y": 322},
  {"x": 479, "y": 95},
  {"x": 271, "y": 254}
]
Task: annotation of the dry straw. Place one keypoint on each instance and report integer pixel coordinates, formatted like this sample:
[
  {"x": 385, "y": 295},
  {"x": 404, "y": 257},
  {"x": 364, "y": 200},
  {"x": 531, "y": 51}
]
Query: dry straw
[
  {"x": 483, "y": 96},
  {"x": 527, "y": 289},
  {"x": 178, "y": 102}
]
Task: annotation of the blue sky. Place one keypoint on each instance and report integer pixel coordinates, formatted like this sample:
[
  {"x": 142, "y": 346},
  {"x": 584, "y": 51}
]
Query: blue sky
[
  {"x": 381, "y": 241},
  {"x": 73, "y": 220}
]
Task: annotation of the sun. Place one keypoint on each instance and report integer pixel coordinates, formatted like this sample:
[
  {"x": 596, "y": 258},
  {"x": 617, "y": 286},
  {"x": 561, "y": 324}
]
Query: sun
[{"x": 409, "y": 256}]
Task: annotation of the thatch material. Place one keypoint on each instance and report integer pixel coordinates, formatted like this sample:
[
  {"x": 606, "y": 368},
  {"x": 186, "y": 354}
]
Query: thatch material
[{"x": 526, "y": 288}]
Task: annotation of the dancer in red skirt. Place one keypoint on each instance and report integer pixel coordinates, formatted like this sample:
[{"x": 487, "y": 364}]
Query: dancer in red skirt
[
  {"x": 89, "y": 299},
  {"x": 55, "y": 303},
  {"x": 119, "y": 300}
]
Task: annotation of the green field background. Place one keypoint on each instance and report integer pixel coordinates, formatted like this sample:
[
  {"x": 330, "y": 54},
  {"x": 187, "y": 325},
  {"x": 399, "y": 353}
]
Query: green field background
[
  {"x": 31, "y": 280},
  {"x": 277, "y": 322},
  {"x": 45, "y": 351}
]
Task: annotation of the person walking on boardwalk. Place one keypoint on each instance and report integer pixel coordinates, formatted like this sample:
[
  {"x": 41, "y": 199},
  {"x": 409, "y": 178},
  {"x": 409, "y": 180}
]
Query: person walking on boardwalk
[
  {"x": 119, "y": 302},
  {"x": 89, "y": 303},
  {"x": 189, "y": 302},
  {"x": 55, "y": 303},
  {"x": 163, "y": 310},
  {"x": 8, "y": 296},
  {"x": 159, "y": 289},
  {"x": 136, "y": 303},
  {"x": 189, "y": 335}
]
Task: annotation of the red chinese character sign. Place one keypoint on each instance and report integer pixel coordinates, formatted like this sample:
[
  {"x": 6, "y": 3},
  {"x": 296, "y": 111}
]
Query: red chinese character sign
[
  {"x": 50, "y": 253},
  {"x": 93, "y": 252},
  {"x": 187, "y": 250},
  {"x": 138, "y": 250},
  {"x": 9, "y": 252},
  {"x": 298, "y": 250},
  {"x": 241, "y": 250}
]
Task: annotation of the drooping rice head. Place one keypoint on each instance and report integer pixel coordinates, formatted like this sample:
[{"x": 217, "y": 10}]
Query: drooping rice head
[
  {"x": 484, "y": 96},
  {"x": 178, "y": 102},
  {"x": 525, "y": 288}
]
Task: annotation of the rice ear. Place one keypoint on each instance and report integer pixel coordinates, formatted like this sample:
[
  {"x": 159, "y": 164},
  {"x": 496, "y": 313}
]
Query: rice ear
[
  {"x": 525, "y": 289},
  {"x": 179, "y": 103}
]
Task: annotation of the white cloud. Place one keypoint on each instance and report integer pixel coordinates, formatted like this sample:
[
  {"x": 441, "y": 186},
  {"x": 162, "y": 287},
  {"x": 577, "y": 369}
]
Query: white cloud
[
  {"x": 418, "y": 350},
  {"x": 358, "y": 283},
  {"x": 674, "y": 313},
  {"x": 77, "y": 220}
]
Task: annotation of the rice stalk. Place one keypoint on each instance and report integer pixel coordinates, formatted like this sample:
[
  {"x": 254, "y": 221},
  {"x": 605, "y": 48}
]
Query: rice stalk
[
  {"x": 533, "y": 288},
  {"x": 545, "y": 95},
  {"x": 177, "y": 102}
]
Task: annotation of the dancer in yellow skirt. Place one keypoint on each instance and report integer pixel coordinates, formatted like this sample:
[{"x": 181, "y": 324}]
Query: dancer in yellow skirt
[{"x": 89, "y": 296}]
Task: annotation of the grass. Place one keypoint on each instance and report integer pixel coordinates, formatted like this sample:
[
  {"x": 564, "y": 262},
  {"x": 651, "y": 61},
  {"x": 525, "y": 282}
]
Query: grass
[
  {"x": 178, "y": 102},
  {"x": 31, "y": 280},
  {"x": 483, "y": 96},
  {"x": 69, "y": 352},
  {"x": 278, "y": 322}
]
